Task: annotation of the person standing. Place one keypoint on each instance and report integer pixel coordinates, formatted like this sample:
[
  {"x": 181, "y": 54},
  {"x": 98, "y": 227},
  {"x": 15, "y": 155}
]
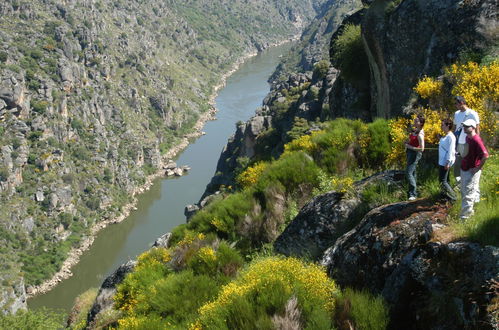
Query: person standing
[
  {"x": 463, "y": 113},
  {"x": 446, "y": 158},
  {"x": 414, "y": 149},
  {"x": 471, "y": 168}
]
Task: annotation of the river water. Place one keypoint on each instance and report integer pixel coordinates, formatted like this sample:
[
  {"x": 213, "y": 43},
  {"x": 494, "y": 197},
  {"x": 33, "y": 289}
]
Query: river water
[{"x": 162, "y": 207}]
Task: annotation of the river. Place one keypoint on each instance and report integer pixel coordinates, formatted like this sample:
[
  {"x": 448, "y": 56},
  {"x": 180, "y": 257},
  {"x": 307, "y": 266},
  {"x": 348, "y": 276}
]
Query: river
[{"x": 162, "y": 207}]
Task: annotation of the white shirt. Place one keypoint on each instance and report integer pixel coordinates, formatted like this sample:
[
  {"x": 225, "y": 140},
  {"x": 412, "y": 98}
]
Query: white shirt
[
  {"x": 447, "y": 150},
  {"x": 461, "y": 116}
]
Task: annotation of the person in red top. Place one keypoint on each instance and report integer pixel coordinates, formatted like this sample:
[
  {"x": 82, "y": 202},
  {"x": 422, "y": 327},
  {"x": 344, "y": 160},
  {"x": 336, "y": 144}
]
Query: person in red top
[
  {"x": 414, "y": 149},
  {"x": 471, "y": 168}
]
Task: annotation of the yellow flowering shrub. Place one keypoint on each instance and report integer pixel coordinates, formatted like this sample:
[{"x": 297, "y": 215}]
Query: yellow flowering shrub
[
  {"x": 221, "y": 225},
  {"x": 342, "y": 184},
  {"x": 250, "y": 176},
  {"x": 479, "y": 85},
  {"x": 302, "y": 143},
  {"x": 267, "y": 282},
  {"x": 429, "y": 87},
  {"x": 398, "y": 135},
  {"x": 150, "y": 267}
]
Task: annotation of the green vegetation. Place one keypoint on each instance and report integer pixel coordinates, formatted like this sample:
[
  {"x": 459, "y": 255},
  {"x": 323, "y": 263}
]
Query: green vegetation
[
  {"x": 349, "y": 55},
  {"x": 361, "y": 310},
  {"x": 41, "y": 319}
]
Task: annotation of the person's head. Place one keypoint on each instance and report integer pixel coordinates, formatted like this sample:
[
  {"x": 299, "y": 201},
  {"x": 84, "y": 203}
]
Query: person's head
[
  {"x": 469, "y": 126},
  {"x": 419, "y": 121},
  {"x": 460, "y": 103},
  {"x": 447, "y": 125}
]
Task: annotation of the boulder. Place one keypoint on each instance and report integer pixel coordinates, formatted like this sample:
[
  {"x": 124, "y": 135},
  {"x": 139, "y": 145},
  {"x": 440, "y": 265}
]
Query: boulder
[
  {"x": 427, "y": 284},
  {"x": 325, "y": 218}
]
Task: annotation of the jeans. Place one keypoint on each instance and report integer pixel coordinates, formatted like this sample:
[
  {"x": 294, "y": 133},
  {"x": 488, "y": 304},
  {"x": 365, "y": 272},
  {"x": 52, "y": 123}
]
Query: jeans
[
  {"x": 445, "y": 188},
  {"x": 413, "y": 158},
  {"x": 470, "y": 181}
]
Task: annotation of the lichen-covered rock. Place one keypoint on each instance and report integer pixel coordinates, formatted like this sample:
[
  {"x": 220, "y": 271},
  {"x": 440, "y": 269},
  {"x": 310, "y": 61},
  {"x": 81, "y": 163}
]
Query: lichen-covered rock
[
  {"x": 445, "y": 286},
  {"x": 428, "y": 285},
  {"x": 368, "y": 254},
  {"x": 326, "y": 217}
]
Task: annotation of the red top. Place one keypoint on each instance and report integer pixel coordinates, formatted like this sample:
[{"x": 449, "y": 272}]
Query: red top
[
  {"x": 413, "y": 140},
  {"x": 476, "y": 151}
]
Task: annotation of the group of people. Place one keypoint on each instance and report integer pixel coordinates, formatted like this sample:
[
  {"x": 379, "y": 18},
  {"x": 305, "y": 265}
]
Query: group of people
[{"x": 462, "y": 149}]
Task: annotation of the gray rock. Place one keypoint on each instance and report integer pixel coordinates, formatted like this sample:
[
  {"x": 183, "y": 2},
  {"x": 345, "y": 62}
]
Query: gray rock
[
  {"x": 104, "y": 300},
  {"x": 163, "y": 241},
  {"x": 29, "y": 224},
  {"x": 39, "y": 196},
  {"x": 190, "y": 210}
]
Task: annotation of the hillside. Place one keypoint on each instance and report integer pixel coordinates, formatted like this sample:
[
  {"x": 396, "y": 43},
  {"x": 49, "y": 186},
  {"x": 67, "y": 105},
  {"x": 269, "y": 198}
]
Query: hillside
[
  {"x": 93, "y": 95},
  {"x": 306, "y": 222},
  {"x": 299, "y": 184}
]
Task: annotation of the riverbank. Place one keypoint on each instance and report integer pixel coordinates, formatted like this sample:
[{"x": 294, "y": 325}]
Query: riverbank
[{"x": 75, "y": 254}]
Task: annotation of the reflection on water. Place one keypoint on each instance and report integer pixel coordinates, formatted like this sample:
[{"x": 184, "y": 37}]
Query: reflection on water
[{"x": 161, "y": 208}]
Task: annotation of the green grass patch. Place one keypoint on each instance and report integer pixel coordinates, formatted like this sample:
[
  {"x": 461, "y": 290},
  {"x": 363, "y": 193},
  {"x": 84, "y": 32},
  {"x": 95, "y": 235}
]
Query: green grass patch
[{"x": 361, "y": 310}]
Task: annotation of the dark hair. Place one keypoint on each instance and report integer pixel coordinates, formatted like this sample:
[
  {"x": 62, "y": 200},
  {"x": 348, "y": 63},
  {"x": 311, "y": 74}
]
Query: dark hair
[
  {"x": 459, "y": 99},
  {"x": 448, "y": 122},
  {"x": 421, "y": 120}
]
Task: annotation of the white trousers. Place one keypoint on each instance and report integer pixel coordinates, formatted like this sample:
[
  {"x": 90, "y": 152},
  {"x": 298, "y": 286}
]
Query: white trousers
[{"x": 469, "y": 191}]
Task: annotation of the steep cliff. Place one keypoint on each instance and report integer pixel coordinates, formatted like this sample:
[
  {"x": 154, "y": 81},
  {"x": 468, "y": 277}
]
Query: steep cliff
[
  {"x": 92, "y": 96},
  {"x": 406, "y": 40}
]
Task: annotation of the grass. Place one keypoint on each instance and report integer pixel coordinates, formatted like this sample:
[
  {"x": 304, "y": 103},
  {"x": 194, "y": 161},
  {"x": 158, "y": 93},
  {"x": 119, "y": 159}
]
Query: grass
[{"x": 361, "y": 310}]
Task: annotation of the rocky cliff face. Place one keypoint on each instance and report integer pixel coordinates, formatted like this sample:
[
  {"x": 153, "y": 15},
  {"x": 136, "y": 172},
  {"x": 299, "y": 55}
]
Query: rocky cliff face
[
  {"x": 406, "y": 40},
  {"x": 93, "y": 94}
]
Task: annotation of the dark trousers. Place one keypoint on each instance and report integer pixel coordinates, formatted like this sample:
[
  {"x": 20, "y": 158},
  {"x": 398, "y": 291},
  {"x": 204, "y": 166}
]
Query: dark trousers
[
  {"x": 445, "y": 188},
  {"x": 413, "y": 158}
]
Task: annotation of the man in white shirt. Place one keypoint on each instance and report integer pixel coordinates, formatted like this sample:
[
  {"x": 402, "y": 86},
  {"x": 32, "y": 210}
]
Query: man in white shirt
[{"x": 463, "y": 113}]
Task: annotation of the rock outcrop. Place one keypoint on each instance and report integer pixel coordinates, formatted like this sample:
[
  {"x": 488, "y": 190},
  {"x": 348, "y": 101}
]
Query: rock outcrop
[
  {"x": 427, "y": 284},
  {"x": 104, "y": 300},
  {"x": 326, "y": 217}
]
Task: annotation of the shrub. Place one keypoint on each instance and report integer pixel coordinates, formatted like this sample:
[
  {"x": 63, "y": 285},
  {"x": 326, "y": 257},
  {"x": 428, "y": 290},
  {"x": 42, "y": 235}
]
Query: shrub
[
  {"x": 150, "y": 268},
  {"x": 321, "y": 68},
  {"x": 377, "y": 147},
  {"x": 479, "y": 85},
  {"x": 3, "y": 57},
  {"x": 39, "y": 106},
  {"x": 349, "y": 54},
  {"x": 290, "y": 171},
  {"x": 250, "y": 176},
  {"x": 262, "y": 292},
  {"x": 171, "y": 297}
]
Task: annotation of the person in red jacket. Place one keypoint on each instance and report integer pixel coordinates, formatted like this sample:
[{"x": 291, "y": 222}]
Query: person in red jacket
[
  {"x": 471, "y": 168},
  {"x": 414, "y": 149}
]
